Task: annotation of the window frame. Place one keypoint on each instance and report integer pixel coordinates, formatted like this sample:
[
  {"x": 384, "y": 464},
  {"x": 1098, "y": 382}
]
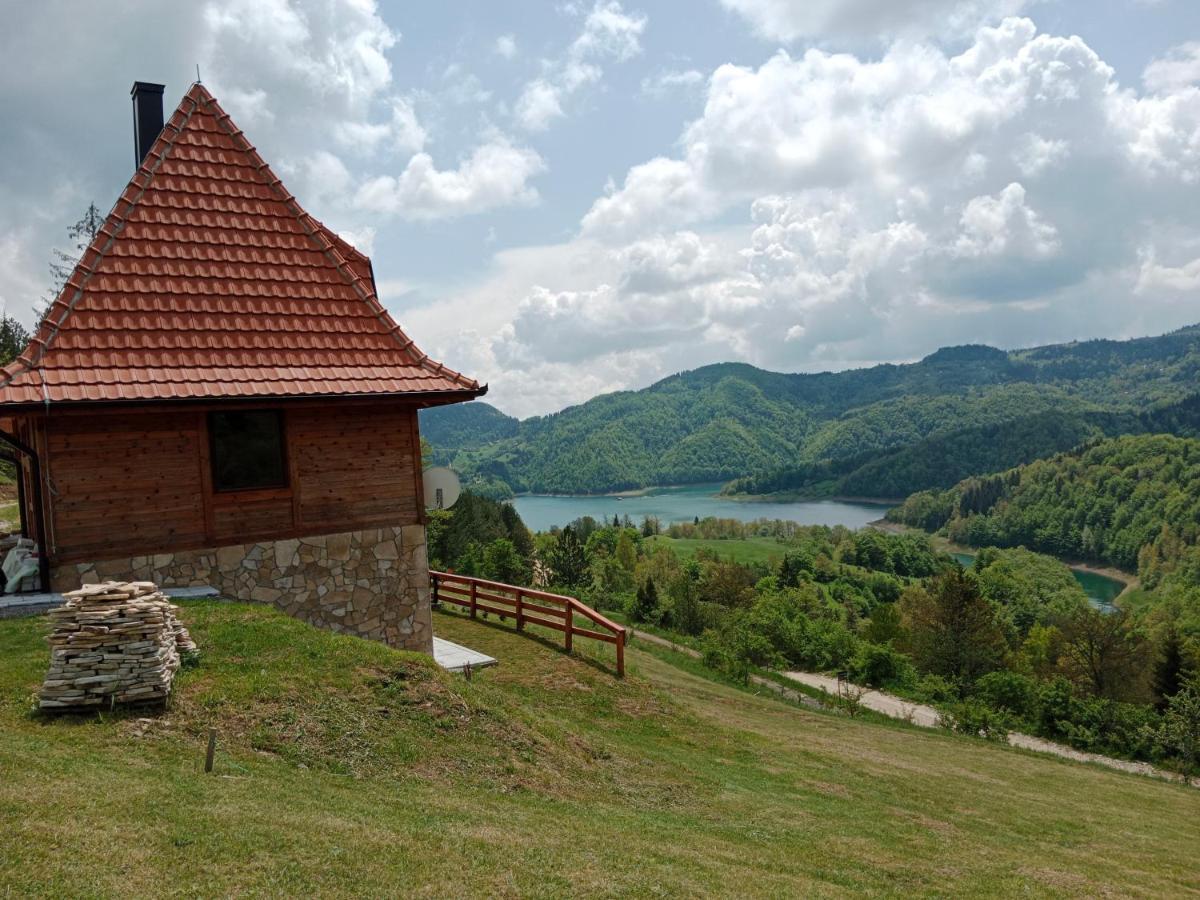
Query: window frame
[{"x": 282, "y": 488}]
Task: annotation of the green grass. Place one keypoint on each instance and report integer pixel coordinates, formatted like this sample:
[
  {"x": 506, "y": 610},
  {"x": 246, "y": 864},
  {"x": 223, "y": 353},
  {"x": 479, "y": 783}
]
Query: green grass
[
  {"x": 750, "y": 550},
  {"x": 348, "y": 768}
]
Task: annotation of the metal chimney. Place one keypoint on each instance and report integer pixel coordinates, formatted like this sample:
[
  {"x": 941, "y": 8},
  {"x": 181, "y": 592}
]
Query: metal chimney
[{"x": 147, "y": 117}]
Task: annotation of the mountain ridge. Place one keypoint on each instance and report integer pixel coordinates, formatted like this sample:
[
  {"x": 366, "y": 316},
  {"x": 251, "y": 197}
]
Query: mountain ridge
[{"x": 734, "y": 421}]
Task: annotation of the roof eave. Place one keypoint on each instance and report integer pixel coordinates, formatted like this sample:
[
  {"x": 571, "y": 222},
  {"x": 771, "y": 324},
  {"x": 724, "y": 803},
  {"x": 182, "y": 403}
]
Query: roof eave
[{"x": 413, "y": 398}]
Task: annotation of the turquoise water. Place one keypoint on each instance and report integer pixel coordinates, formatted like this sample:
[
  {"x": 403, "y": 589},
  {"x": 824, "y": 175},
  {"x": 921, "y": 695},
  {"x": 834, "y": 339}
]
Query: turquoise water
[
  {"x": 540, "y": 512},
  {"x": 1101, "y": 590}
]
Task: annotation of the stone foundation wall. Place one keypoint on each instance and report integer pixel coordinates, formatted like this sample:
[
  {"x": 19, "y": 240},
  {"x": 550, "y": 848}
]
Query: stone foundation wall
[{"x": 372, "y": 583}]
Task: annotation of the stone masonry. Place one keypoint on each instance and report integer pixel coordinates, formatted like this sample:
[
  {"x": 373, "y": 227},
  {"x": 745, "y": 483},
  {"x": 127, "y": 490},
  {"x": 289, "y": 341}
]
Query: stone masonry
[{"x": 372, "y": 583}]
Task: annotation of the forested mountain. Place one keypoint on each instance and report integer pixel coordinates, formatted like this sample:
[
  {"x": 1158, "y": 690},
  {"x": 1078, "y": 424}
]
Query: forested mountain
[
  {"x": 884, "y": 431},
  {"x": 464, "y": 426},
  {"x": 1132, "y": 502}
]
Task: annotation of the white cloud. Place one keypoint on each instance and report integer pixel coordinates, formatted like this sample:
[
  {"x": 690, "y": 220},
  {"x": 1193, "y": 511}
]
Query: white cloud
[
  {"x": 496, "y": 174},
  {"x": 1011, "y": 194},
  {"x": 795, "y": 20},
  {"x": 506, "y": 46},
  {"x": 1002, "y": 224},
  {"x": 666, "y": 82},
  {"x": 539, "y": 104},
  {"x": 608, "y": 34},
  {"x": 1178, "y": 69}
]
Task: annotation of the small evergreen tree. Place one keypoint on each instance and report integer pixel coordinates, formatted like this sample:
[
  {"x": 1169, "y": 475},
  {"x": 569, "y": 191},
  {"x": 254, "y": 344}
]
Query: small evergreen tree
[
  {"x": 568, "y": 560},
  {"x": 1169, "y": 672},
  {"x": 645, "y": 603},
  {"x": 13, "y": 339}
]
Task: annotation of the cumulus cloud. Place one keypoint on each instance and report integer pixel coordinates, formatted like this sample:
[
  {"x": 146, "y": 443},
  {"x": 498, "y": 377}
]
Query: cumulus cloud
[
  {"x": 1180, "y": 68},
  {"x": 1010, "y": 193},
  {"x": 608, "y": 33},
  {"x": 506, "y": 46},
  {"x": 794, "y": 20},
  {"x": 496, "y": 174},
  {"x": 666, "y": 82}
]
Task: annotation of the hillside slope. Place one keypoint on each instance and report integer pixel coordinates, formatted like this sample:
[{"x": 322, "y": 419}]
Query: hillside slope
[
  {"x": 345, "y": 767},
  {"x": 866, "y": 431}
]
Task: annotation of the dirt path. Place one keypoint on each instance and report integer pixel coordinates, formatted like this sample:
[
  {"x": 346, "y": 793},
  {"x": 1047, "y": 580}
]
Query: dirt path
[
  {"x": 917, "y": 713},
  {"x": 928, "y": 717}
]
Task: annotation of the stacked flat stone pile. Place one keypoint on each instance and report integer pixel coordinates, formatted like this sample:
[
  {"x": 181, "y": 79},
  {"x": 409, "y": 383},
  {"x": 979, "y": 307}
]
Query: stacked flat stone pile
[{"x": 114, "y": 642}]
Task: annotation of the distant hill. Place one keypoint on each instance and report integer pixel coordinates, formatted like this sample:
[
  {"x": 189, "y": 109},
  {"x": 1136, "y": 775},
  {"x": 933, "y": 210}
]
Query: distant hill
[
  {"x": 1132, "y": 502},
  {"x": 464, "y": 426},
  {"x": 883, "y": 431}
]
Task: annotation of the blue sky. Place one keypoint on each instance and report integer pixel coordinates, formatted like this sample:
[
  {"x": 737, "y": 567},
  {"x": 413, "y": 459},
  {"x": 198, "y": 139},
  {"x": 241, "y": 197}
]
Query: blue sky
[{"x": 570, "y": 198}]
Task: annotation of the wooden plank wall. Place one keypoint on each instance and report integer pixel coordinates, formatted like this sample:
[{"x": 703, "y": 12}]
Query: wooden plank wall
[{"x": 136, "y": 483}]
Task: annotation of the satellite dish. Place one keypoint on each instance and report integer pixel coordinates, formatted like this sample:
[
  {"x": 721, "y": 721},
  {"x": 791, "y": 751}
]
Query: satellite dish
[{"x": 442, "y": 488}]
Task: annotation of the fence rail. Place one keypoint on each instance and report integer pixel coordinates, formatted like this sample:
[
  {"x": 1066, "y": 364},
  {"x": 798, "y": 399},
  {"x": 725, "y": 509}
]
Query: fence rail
[{"x": 527, "y": 606}]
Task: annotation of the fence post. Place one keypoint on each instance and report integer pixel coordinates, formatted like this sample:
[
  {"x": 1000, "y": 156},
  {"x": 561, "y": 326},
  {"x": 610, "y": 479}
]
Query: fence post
[
  {"x": 473, "y": 601},
  {"x": 569, "y": 631},
  {"x": 520, "y": 610},
  {"x": 621, "y": 653},
  {"x": 434, "y": 579}
]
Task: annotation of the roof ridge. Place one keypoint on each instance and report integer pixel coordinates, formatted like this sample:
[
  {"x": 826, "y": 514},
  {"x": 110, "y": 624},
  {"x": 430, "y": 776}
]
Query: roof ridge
[
  {"x": 90, "y": 309},
  {"x": 317, "y": 229}
]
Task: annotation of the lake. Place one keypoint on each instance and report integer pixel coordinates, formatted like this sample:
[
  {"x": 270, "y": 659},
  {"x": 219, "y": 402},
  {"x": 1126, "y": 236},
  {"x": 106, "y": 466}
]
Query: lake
[
  {"x": 678, "y": 504},
  {"x": 1101, "y": 590}
]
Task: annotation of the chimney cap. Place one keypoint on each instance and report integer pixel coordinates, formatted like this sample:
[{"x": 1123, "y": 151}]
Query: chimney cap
[{"x": 146, "y": 87}]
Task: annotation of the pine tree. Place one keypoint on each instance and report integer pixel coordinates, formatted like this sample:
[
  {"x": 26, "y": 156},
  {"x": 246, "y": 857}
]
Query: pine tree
[
  {"x": 13, "y": 339},
  {"x": 567, "y": 559},
  {"x": 645, "y": 604},
  {"x": 1169, "y": 675}
]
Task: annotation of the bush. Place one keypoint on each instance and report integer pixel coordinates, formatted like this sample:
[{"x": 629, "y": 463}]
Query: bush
[
  {"x": 936, "y": 689},
  {"x": 975, "y": 718},
  {"x": 1008, "y": 692},
  {"x": 880, "y": 665}
]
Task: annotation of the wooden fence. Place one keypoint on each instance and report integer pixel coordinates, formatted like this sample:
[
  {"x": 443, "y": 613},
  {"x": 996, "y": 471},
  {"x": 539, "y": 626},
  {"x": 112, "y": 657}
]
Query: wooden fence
[{"x": 526, "y": 606}]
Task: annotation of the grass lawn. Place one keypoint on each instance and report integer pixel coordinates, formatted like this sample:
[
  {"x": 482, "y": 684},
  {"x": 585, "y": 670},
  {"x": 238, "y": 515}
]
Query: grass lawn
[
  {"x": 750, "y": 550},
  {"x": 348, "y": 768}
]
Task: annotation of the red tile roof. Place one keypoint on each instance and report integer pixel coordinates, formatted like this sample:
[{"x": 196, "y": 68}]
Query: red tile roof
[{"x": 208, "y": 281}]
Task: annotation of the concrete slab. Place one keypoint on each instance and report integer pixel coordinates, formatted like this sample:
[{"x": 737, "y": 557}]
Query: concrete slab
[
  {"x": 14, "y": 605},
  {"x": 454, "y": 657}
]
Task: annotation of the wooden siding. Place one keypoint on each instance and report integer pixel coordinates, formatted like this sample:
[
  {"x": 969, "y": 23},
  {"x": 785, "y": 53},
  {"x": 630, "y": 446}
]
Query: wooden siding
[{"x": 137, "y": 483}]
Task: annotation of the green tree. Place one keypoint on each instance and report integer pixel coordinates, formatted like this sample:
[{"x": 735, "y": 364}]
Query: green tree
[
  {"x": 952, "y": 629},
  {"x": 568, "y": 559},
  {"x": 1169, "y": 668},
  {"x": 13, "y": 339},
  {"x": 1178, "y": 735},
  {"x": 1102, "y": 653},
  {"x": 626, "y": 552},
  {"x": 502, "y": 562},
  {"x": 645, "y": 602}
]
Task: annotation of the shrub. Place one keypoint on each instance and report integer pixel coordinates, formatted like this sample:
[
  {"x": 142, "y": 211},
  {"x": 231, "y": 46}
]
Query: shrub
[
  {"x": 1008, "y": 692},
  {"x": 879, "y": 665},
  {"x": 936, "y": 689},
  {"x": 975, "y": 718}
]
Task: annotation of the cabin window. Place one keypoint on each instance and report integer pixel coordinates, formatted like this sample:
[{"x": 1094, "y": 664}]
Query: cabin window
[{"x": 247, "y": 450}]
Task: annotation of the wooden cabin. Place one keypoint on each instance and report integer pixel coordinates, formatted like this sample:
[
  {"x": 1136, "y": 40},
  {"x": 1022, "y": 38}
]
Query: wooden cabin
[{"x": 218, "y": 398}]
